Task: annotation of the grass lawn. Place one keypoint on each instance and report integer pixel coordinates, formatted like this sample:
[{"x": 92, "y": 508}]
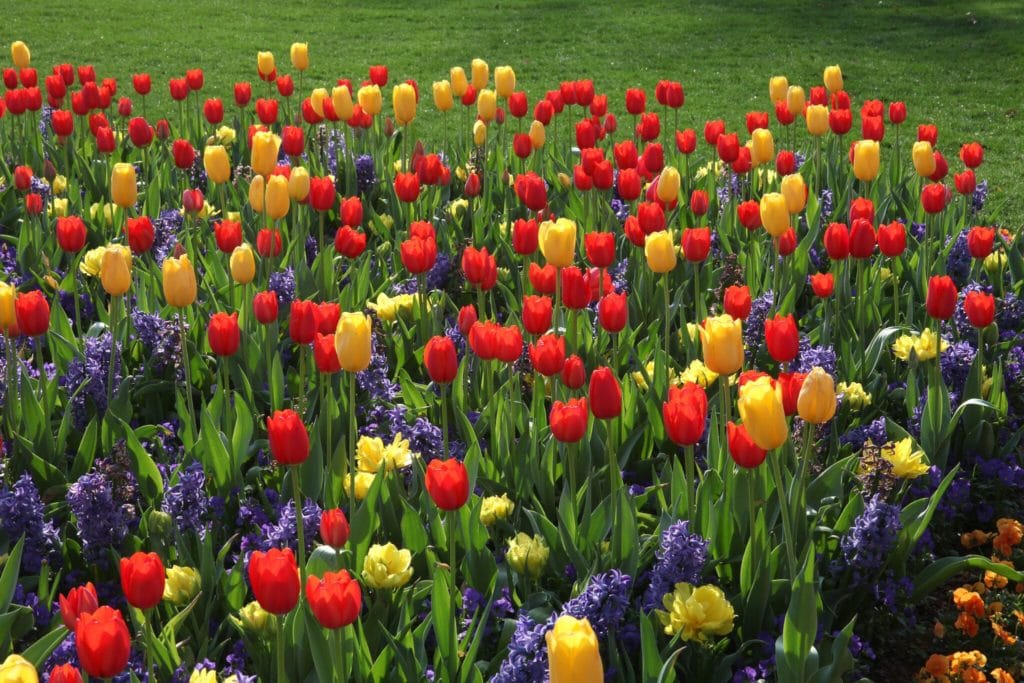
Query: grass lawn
[{"x": 957, "y": 64}]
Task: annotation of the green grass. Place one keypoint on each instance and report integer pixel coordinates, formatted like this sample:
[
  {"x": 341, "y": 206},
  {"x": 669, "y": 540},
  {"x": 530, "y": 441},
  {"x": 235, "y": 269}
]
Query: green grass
[{"x": 957, "y": 64}]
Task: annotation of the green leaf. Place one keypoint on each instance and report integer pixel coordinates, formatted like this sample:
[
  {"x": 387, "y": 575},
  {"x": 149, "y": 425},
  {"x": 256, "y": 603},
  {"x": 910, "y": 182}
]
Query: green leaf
[
  {"x": 38, "y": 651},
  {"x": 794, "y": 649},
  {"x": 942, "y": 570},
  {"x": 9, "y": 577},
  {"x": 150, "y": 481}
]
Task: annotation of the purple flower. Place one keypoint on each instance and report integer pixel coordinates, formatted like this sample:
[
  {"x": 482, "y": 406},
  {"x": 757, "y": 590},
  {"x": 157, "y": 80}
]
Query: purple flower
[
  {"x": 282, "y": 283},
  {"x": 186, "y": 502},
  {"x": 86, "y": 378},
  {"x": 366, "y": 174},
  {"x": 22, "y": 514},
  {"x": 865, "y": 547},
  {"x": 680, "y": 558},
  {"x": 102, "y": 524}
]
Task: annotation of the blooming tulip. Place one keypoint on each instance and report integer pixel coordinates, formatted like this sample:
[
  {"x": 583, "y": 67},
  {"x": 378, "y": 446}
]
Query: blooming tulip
[
  {"x": 289, "y": 441},
  {"x": 760, "y": 406},
  {"x": 573, "y": 654},
  {"x": 335, "y": 599},
  {"x": 274, "y": 577},
  {"x": 142, "y": 579},
  {"x": 568, "y": 420},
  {"x": 353, "y": 342},
  {"x": 447, "y": 482},
  {"x": 742, "y": 448},
  {"x": 942, "y": 296},
  {"x": 722, "y": 344},
  {"x": 660, "y": 251},
  {"x": 179, "y": 281},
  {"x": 102, "y": 642},
  {"x": 817, "y": 401},
  {"x": 685, "y": 414}
]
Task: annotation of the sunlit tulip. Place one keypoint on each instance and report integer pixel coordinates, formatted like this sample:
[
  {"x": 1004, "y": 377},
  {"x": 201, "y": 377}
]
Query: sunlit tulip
[
  {"x": 481, "y": 74},
  {"x": 721, "y": 339},
  {"x": 277, "y": 197},
  {"x": 795, "y": 192},
  {"x": 243, "y": 264},
  {"x": 443, "y": 99},
  {"x": 924, "y": 158},
  {"x": 774, "y": 213},
  {"x": 504, "y": 81},
  {"x": 353, "y": 342},
  {"x": 217, "y": 163},
  {"x": 457, "y": 75},
  {"x": 116, "y": 269},
  {"x": 298, "y": 183},
  {"x": 370, "y": 99},
  {"x": 817, "y": 401},
  {"x": 486, "y": 105},
  {"x": 20, "y": 54},
  {"x": 341, "y": 98},
  {"x": 762, "y": 149},
  {"x": 833, "y": 78},
  {"x": 265, "y": 65},
  {"x": 265, "y": 149},
  {"x": 300, "y": 56},
  {"x": 778, "y": 86},
  {"x": 660, "y": 251},
  {"x": 817, "y": 120},
  {"x": 403, "y": 100},
  {"x": 866, "y": 160},
  {"x": 179, "y": 280},
  {"x": 760, "y": 406},
  {"x": 668, "y": 185},
  {"x": 479, "y": 133},
  {"x": 573, "y": 652},
  {"x": 124, "y": 191},
  {"x": 557, "y": 241}
]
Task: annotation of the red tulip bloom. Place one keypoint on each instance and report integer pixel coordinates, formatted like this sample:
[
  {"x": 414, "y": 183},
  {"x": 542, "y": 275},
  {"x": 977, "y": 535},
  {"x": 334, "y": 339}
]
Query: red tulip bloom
[
  {"x": 696, "y": 244},
  {"x": 447, "y": 482},
  {"x": 787, "y": 242},
  {"x": 653, "y": 158},
  {"x": 542, "y": 278},
  {"x": 782, "y": 338},
  {"x": 302, "y": 322},
  {"x": 264, "y": 306},
  {"x": 480, "y": 267},
  {"x": 472, "y": 187},
  {"x": 142, "y": 83},
  {"x": 289, "y": 441},
  {"x": 441, "y": 360},
  {"x": 892, "y": 239},
  {"x": 266, "y": 110},
  {"x": 651, "y": 216},
  {"x": 213, "y": 110},
  {"x": 742, "y": 448},
  {"x": 228, "y": 235},
  {"x": 928, "y": 133},
  {"x": 334, "y": 528},
  {"x": 335, "y": 600},
  {"x": 102, "y": 642},
  {"x": 839, "y": 121},
  {"x": 192, "y": 201},
  {"x": 862, "y": 239},
  {"x": 537, "y": 311},
  {"x": 178, "y": 88},
  {"x": 980, "y": 241},
  {"x": 965, "y": 182},
  {"x": 586, "y": 134},
  {"x": 407, "y": 187},
  {"x": 685, "y": 414},
  {"x": 872, "y": 128},
  {"x": 736, "y": 301},
  {"x": 349, "y": 243},
  {"x": 728, "y": 147},
  {"x": 574, "y": 374},
  {"x": 483, "y": 339},
  {"x": 613, "y": 312},
  {"x": 531, "y": 191},
  {"x": 941, "y": 300},
  {"x": 224, "y": 334},
  {"x": 268, "y": 243},
  {"x": 822, "y": 284},
  {"x": 629, "y": 184},
  {"x": 755, "y": 120},
  {"x": 521, "y": 145},
  {"x": 575, "y": 293},
  {"x": 749, "y": 214},
  {"x": 243, "y": 93},
  {"x": 897, "y": 113},
  {"x": 79, "y": 600},
  {"x": 548, "y": 354},
  {"x": 274, "y": 577},
  {"x": 324, "y": 354},
  {"x": 605, "y": 396},
  {"x": 63, "y": 123},
  {"x": 972, "y": 154},
  {"x": 524, "y": 236},
  {"x": 418, "y": 254},
  {"x": 712, "y": 130},
  {"x": 600, "y": 248},
  {"x": 467, "y": 318},
  {"x": 837, "y": 241},
  {"x": 584, "y": 91},
  {"x": 32, "y": 312},
  {"x": 285, "y": 85},
  {"x": 791, "y": 383},
  {"x": 140, "y": 132},
  {"x": 543, "y": 111},
  {"x": 625, "y": 154},
  {"x": 517, "y": 104},
  {"x": 933, "y": 198},
  {"x": 65, "y": 673},
  {"x": 508, "y": 342},
  {"x": 71, "y": 234},
  {"x": 184, "y": 154},
  {"x": 379, "y": 75},
  {"x": 328, "y": 313},
  {"x": 636, "y": 101},
  {"x": 785, "y": 162},
  {"x": 699, "y": 202},
  {"x": 941, "y": 167},
  {"x": 686, "y": 141},
  {"x": 980, "y": 308},
  {"x": 649, "y": 127},
  {"x": 142, "y": 580},
  {"x": 568, "y": 420}
]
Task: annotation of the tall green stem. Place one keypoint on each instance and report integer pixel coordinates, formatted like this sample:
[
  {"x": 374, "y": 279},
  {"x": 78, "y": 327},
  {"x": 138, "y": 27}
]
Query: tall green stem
[
  {"x": 787, "y": 523},
  {"x": 299, "y": 523},
  {"x": 453, "y": 654}
]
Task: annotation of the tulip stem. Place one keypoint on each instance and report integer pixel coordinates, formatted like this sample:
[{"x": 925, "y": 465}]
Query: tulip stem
[
  {"x": 280, "y": 647},
  {"x": 112, "y": 324},
  {"x": 453, "y": 654},
  {"x": 665, "y": 363},
  {"x": 691, "y": 486},
  {"x": 185, "y": 369},
  {"x": 148, "y": 631},
  {"x": 799, "y": 486},
  {"x": 787, "y": 524},
  {"x": 299, "y": 523},
  {"x": 351, "y": 445},
  {"x": 444, "y": 421}
]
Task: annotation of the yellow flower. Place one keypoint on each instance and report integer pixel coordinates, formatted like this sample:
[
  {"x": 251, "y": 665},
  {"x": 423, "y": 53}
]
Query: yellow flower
[
  {"x": 795, "y": 99},
  {"x": 124, "y": 190},
  {"x": 479, "y": 133},
  {"x": 265, "y": 63},
  {"x": 481, "y": 73},
  {"x": 341, "y": 98},
  {"x": 243, "y": 264},
  {"x": 8, "y": 294},
  {"x": 17, "y": 669},
  {"x": 527, "y": 555},
  {"x": 460, "y": 83},
  {"x": 388, "y": 308},
  {"x": 298, "y": 184},
  {"x": 277, "y": 200},
  {"x": 538, "y": 134},
  {"x": 504, "y": 81},
  {"x": 995, "y": 262},
  {"x": 179, "y": 281},
  {"x": 924, "y": 158},
  {"x": 58, "y": 207},
  {"x": 203, "y": 676},
  {"x": 833, "y": 78},
  {"x": 216, "y": 163},
  {"x": 116, "y": 269},
  {"x": 20, "y": 54},
  {"x": 866, "y": 160},
  {"x": 794, "y": 190},
  {"x": 369, "y": 454},
  {"x": 762, "y": 413},
  {"x": 558, "y": 242},
  {"x": 265, "y": 147},
  {"x": 403, "y": 100},
  {"x": 906, "y": 462},
  {"x": 183, "y": 583},
  {"x": 816, "y": 402},
  {"x": 817, "y": 120},
  {"x": 668, "y": 184},
  {"x": 573, "y": 652},
  {"x": 493, "y": 508},
  {"x": 762, "y": 147},
  {"x": 92, "y": 262},
  {"x": 638, "y": 376},
  {"x": 902, "y": 347},
  {"x": 364, "y": 480},
  {"x": 697, "y": 373},
  {"x": 696, "y": 613},
  {"x": 777, "y": 88},
  {"x": 487, "y": 105},
  {"x": 257, "y": 192},
  {"x": 774, "y": 213},
  {"x": 226, "y": 135},
  {"x": 660, "y": 250},
  {"x": 370, "y": 99},
  {"x": 254, "y": 618},
  {"x": 104, "y": 212},
  {"x": 458, "y": 207},
  {"x": 854, "y": 395},
  {"x": 300, "y": 56},
  {"x": 926, "y": 346},
  {"x": 443, "y": 99},
  {"x": 59, "y": 184},
  {"x": 721, "y": 339},
  {"x": 387, "y": 567}
]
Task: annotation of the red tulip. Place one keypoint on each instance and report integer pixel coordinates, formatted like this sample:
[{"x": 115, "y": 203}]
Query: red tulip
[
  {"x": 268, "y": 243},
  {"x": 334, "y": 528},
  {"x": 892, "y": 239},
  {"x": 379, "y": 75},
  {"x": 266, "y": 110},
  {"x": 840, "y": 121},
  {"x": 324, "y": 354},
  {"x": 736, "y": 301},
  {"x": 574, "y": 374},
  {"x": 228, "y": 235},
  {"x": 224, "y": 334},
  {"x": 178, "y": 88},
  {"x": 749, "y": 214},
  {"x": 712, "y": 130},
  {"x": 933, "y": 198},
  {"x": 524, "y": 236},
  {"x": 600, "y": 248},
  {"x": 548, "y": 354},
  {"x": 653, "y": 158},
  {"x": 568, "y": 420},
  {"x": 289, "y": 440},
  {"x": 686, "y": 141},
  {"x": 213, "y": 110},
  {"x": 142, "y": 83},
  {"x": 275, "y": 579},
  {"x": 755, "y": 120},
  {"x": 862, "y": 239},
  {"x": 328, "y": 313},
  {"x": 897, "y": 112},
  {"x": 531, "y": 191},
  {"x": 612, "y": 312},
  {"x": 742, "y": 448},
  {"x": 543, "y": 111},
  {"x": 349, "y": 243},
  {"x": 441, "y": 360},
  {"x": 965, "y": 182},
  {"x": 418, "y": 254},
  {"x": 102, "y": 642},
  {"x": 791, "y": 383},
  {"x": 629, "y": 184},
  {"x": 243, "y": 93},
  {"x": 782, "y": 338},
  {"x": 542, "y": 278},
  {"x": 71, "y": 234},
  {"x": 184, "y": 154},
  {"x": 649, "y": 127},
  {"x": 980, "y": 241},
  {"x": 728, "y": 147},
  {"x": 483, "y": 339},
  {"x": 941, "y": 300},
  {"x": 335, "y": 600},
  {"x": 508, "y": 342},
  {"x": 192, "y": 201},
  {"x": 264, "y": 306},
  {"x": 785, "y": 162},
  {"x": 651, "y": 216},
  {"x": 32, "y": 312},
  {"x": 787, "y": 242},
  {"x": 699, "y": 202},
  {"x": 575, "y": 293},
  {"x": 407, "y": 187},
  {"x": 696, "y": 244},
  {"x": 929, "y": 133},
  {"x": 302, "y": 322},
  {"x": 65, "y": 673},
  {"x": 285, "y": 85},
  {"x": 605, "y": 396},
  {"x": 480, "y": 267},
  {"x": 972, "y": 154},
  {"x": 194, "y": 77},
  {"x": 467, "y": 318},
  {"x": 980, "y": 308},
  {"x": 872, "y": 128},
  {"x": 63, "y": 123},
  {"x": 837, "y": 241},
  {"x": 685, "y": 414},
  {"x": 537, "y": 311},
  {"x": 941, "y": 167},
  {"x": 79, "y": 600},
  {"x": 142, "y": 580},
  {"x": 447, "y": 482}
]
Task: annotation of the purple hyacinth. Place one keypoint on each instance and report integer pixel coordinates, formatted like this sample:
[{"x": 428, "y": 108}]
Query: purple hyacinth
[
  {"x": 753, "y": 326},
  {"x": 186, "y": 502},
  {"x": 874, "y": 431},
  {"x": 815, "y": 356},
  {"x": 102, "y": 524},
  {"x": 165, "y": 234},
  {"x": 366, "y": 174},
  {"x": 282, "y": 283},
  {"x": 22, "y": 514},
  {"x": 159, "y": 337},
  {"x": 958, "y": 263},
  {"x": 681, "y": 558},
  {"x": 866, "y": 546},
  {"x": 87, "y": 376}
]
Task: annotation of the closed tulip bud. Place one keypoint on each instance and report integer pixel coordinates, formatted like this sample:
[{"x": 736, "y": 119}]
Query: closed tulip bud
[
  {"x": 277, "y": 199},
  {"x": 341, "y": 99},
  {"x": 116, "y": 269},
  {"x": 833, "y": 78},
  {"x": 668, "y": 185},
  {"x": 143, "y": 579},
  {"x": 443, "y": 99},
  {"x": 265, "y": 149},
  {"x": 486, "y": 105},
  {"x": 8, "y": 317},
  {"x": 574, "y": 374},
  {"x": 179, "y": 279},
  {"x": 782, "y": 337},
  {"x": 300, "y": 56},
  {"x": 298, "y": 184},
  {"x": 557, "y": 241},
  {"x": 257, "y": 191},
  {"x": 866, "y": 160},
  {"x": 795, "y": 192},
  {"x": 795, "y": 99},
  {"x": 264, "y": 306},
  {"x": 504, "y": 81},
  {"x": 20, "y": 54},
  {"x": 459, "y": 83},
  {"x": 123, "y": 188},
  {"x": 481, "y": 74},
  {"x": 243, "y": 264},
  {"x": 403, "y": 100},
  {"x": 760, "y": 406},
  {"x": 817, "y": 120},
  {"x": 447, "y": 482},
  {"x": 538, "y": 135},
  {"x": 736, "y": 301},
  {"x": 216, "y": 163},
  {"x": 573, "y": 652},
  {"x": 685, "y": 414},
  {"x": 762, "y": 149},
  {"x": 265, "y": 65},
  {"x": 441, "y": 360},
  {"x": 817, "y": 401},
  {"x": 353, "y": 342},
  {"x": 742, "y": 448},
  {"x": 924, "y": 158},
  {"x": 774, "y": 213},
  {"x": 721, "y": 340},
  {"x": 370, "y": 99},
  {"x": 942, "y": 295},
  {"x": 479, "y": 133},
  {"x": 71, "y": 234},
  {"x": 660, "y": 251},
  {"x": 980, "y": 309},
  {"x": 605, "y": 395},
  {"x": 778, "y": 87}
]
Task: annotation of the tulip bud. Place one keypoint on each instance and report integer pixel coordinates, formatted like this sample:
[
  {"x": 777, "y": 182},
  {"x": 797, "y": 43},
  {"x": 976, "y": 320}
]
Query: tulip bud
[
  {"x": 479, "y": 133},
  {"x": 353, "y": 342},
  {"x": 443, "y": 99},
  {"x": 403, "y": 99},
  {"x": 370, "y": 99},
  {"x": 795, "y": 99},
  {"x": 573, "y": 652},
  {"x": 668, "y": 185},
  {"x": 774, "y": 213},
  {"x": 817, "y": 120},
  {"x": 557, "y": 240},
  {"x": 300, "y": 56},
  {"x": 298, "y": 183},
  {"x": 20, "y": 54},
  {"x": 816, "y": 403},
  {"x": 341, "y": 98},
  {"x": 116, "y": 269},
  {"x": 277, "y": 199},
  {"x": 123, "y": 189},
  {"x": 179, "y": 280},
  {"x": 760, "y": 406},
  {"x": 265, "y": 64},
  {"x": 486, "y": 105},
  {"x": 833, "y": 78},
  {"x": 504, "y": 81},
  {"x": 762, "y": 149},
  {"x": 924, "y": 158},
  {"x": 243, "y": 264},
  {"x": 257, "y": 189},
  {"x": 660, "y": 250},
  {"x": 795, "y": 192},
  {"x": 481, "y": 74},
  {"x": 216, "y": 163},
  {"x": 778, "y": 86},
  {"x": 538, "y": 135},
  {"x": 866, "y": 160},
  {"x": 722, "y": 343},
  {"x": 265, "y": 148}
]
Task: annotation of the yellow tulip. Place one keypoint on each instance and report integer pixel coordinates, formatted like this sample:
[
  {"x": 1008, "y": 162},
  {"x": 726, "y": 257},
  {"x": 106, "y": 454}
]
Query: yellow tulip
[
  {"x": 479, "y": 133},
  {"x": 833, "y": 78},
  {"x": 866, "y": 160},
  {"x": 696, "y": 613},
  {"x": 59, "y": 184},
  {"x": 816, "y": 402},
  {"x": 298, "y": 183},
  {"x": 795, "y": 192},
  {"x": 179, "y": 281},
  {"x": 182, "y": 584},
  {"x": 216, "y": 163},
  {"x": 660, "y": 251},
  {"x": 538, "y": 134},
  {"x": 116, "y": 269},
  {"x": 817, "y": 120},
  {"x": 459, "y": 82},
  {"x": 668, "y": 185},
  {"x": 721, "y": 340},
  {"x": 557, "y": 240},
  {"x": 527, "y": 555},
  {"x": 504, "y": 81},
  {"x": 762, "y": 149},
  {"x": 300, "y": 56},
  {"x": 494, "y": 508},
  {"x": 255, "y": 619},
  {"x": 277, "y": 201},
  {"x": 265, "y": 147},
  {"x": 123, "y": 188},
  {"x": 906, "y": 462},
  {"x": 17, "y": 669},
  {"x": 58, "y": 207},
  {"x": 256, "y": 190},
  {"x": 443, "y": 99},
  {"x": 353, "y": 341},
  {"x": 924, "y": 158},
  {"x": 387, "y": 567},
  {"x": 316, "y": 100},
  {"x": 8, "y": 294},
  {"x": 265, "y": 63},
  {"x": 486, "y": 105},
  {"x": 762, "y": 413},
  {"x": 778, "y": 86},
  {"x": 481, "y": 73},
  {"x": 20, "y": 54},
  {"x": 403, "y": 99},
  {"x": 573, "y": 652},
  {"x": 243, "y": 264},
  {"x": 364, "y": 480},
  {"x": 795, "y": 100},
  {"x": 774, "y": 213},
  {"x": 341, "y": 98},
  {"x": 370, "y": 99}
]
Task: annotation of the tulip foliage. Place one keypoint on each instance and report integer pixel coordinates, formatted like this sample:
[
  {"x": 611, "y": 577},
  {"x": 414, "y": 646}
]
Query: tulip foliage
[{"x": 582, "y": 388}]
